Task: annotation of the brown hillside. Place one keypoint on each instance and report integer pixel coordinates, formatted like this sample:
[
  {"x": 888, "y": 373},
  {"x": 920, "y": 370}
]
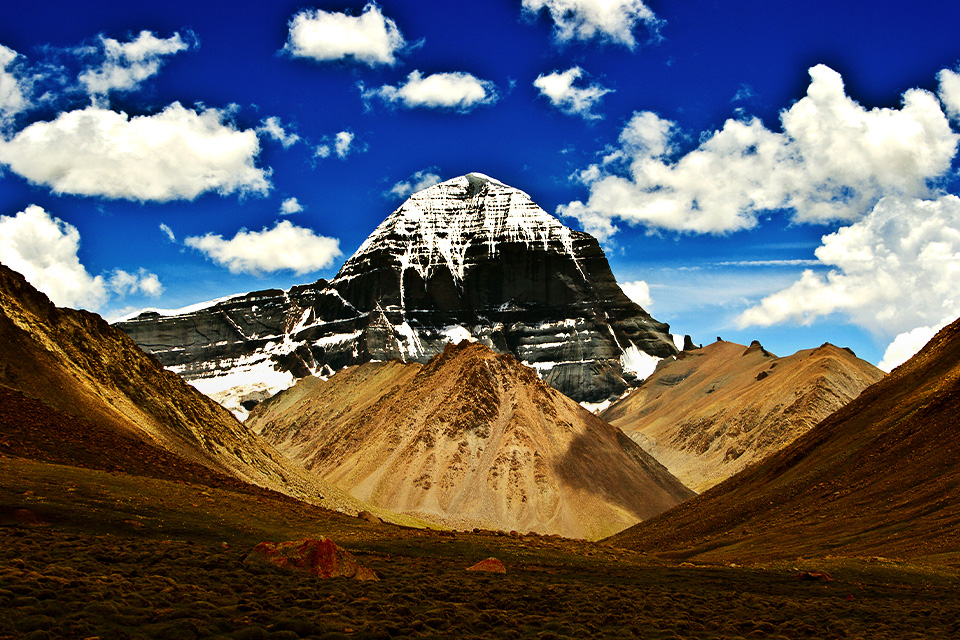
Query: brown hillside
[
  {"x": 471, "y": 438},
  {"x": 77, "y": 365},
  {"x": 716, "y": 410},
  {"x": 881, "y": 476}
]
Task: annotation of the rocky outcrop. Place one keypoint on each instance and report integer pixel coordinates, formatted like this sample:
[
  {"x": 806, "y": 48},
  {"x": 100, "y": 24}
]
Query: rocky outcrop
[
  {"x": 714, "y": 411},
  {"x": 471, "y": 439},
  {"x": 470, "y": 257},
  {"x": 320, "y": 557},
  {"x": 490, "y": 565}
]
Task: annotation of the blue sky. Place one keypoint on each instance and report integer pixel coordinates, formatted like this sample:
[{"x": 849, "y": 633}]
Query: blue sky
[{"x": 778, "y": 171}]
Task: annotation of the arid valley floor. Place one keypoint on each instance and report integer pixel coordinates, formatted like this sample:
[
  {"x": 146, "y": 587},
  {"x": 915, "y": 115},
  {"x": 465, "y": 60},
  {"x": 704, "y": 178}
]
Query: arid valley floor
[{"x": 88, "y": 553}]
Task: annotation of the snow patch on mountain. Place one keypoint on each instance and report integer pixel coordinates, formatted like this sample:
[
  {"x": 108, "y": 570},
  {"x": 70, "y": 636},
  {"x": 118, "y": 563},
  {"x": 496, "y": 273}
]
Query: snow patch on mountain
[
  {"x": 190, "y": 308},
  {"x": 436, "y": 226},
  {"x": 640, "y": 363},
  {"x": 247, "y": 380}
]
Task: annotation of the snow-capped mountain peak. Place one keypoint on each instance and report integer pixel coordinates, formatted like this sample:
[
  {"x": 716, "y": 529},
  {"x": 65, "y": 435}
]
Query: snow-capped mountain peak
[
  {"x": 438, "y": 225},
  {"x": 469, "y": 258}
]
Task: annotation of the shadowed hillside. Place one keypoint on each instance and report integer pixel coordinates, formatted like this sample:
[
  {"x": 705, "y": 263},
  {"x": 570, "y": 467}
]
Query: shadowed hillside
[{"x": 76, "y": 365}]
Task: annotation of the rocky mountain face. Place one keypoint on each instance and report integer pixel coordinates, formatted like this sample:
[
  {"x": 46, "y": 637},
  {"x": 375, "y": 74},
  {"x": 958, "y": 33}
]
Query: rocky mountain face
[
  {"x": 470, "y": 257},
  {"x": 713, "y": 411},
  {"x": 77, "y": 379},
  {"x": 470, "y": 439},
  {"x": 879, "y": 477}
]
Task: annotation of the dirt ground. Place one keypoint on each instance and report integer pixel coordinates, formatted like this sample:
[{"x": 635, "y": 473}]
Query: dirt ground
[{"x": 99, "y": 554}]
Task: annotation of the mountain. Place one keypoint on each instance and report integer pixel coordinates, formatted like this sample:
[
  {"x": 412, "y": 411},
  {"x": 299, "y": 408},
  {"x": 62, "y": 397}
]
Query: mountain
[
  {"x": 470, "y": 439},
  {"x": 71, "y": 384},
  {"x": 469, "y": 257},
  {"x": 713, "y": 411},
  {"x": 879, "y": 477}
]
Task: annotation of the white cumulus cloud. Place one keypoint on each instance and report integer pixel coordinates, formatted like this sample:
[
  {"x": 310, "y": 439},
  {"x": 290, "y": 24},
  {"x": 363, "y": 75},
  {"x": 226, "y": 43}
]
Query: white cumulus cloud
[
  {"x": 370, "y": 38},
  {"x": 143, "y": 282},
  {"x": 949, "y": 92},
  {"x": 605, "y": 20},
  {"x": 44, "y": 250},
  {"x": 907, "y": 344},
  {"x": 284, "y": 247},
  {"x": 420, "y": 180},
  {"x": 273, "y": 128},
  {"x": 290, "y": 206},
  {"x": 455, "y": 90},
  {"x": 341, "y": 144},
  {"x": 126, "y": 65},
  {"x": 639, "y": 292},
  {"x": 833, "y": 161},
  {"x": 176, "y": 154},
  {"x": 891, "y": 273},
  {"x": 579, "y": 101}
]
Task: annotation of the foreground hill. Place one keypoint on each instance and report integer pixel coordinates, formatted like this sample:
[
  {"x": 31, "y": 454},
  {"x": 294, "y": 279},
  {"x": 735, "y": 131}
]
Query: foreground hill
[
  {"x": 69, "y": 377},
  {"x": 716, "y": 410},
  {"x": 469, "y": 257},
  {"x": 473, "y": 439},
  {"x": 880, "y": 477}
]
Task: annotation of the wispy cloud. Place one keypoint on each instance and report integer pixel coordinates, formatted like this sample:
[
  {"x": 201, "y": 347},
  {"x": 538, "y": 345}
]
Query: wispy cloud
[
  {"x": 418, "y": 181},
  {"x": 604, "y": 20},
  {"x": 559, "y": 88},
  {"x": 273, "y": 128},
  {"x": 341, "y": 145},
  {"x": 125, "y": 65},
  {"x": 13, "y": 87},
  {"x": 168, "y": 232},
  {"x": 769, "y": 263}
]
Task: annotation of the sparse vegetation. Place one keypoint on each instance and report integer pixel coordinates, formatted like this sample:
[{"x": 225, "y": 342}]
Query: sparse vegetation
[{"x": 122, "y": 556}]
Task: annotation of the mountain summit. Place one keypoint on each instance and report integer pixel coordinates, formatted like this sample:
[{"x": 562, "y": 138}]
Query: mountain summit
[
  {"x": 441, "y": 235},
  {"x": 469, "y": 258}
]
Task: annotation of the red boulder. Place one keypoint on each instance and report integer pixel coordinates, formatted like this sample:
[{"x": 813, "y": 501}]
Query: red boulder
[
  {"x": 490, "y": 564},
  {"x": 318, "y": 556}
]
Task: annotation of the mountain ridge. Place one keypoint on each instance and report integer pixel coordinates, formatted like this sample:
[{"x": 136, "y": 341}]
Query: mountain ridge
[
  {"x": 878, "y": 477},
  {"x": 713, "y": 411},
  {"x": 76, "y": 364}
]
